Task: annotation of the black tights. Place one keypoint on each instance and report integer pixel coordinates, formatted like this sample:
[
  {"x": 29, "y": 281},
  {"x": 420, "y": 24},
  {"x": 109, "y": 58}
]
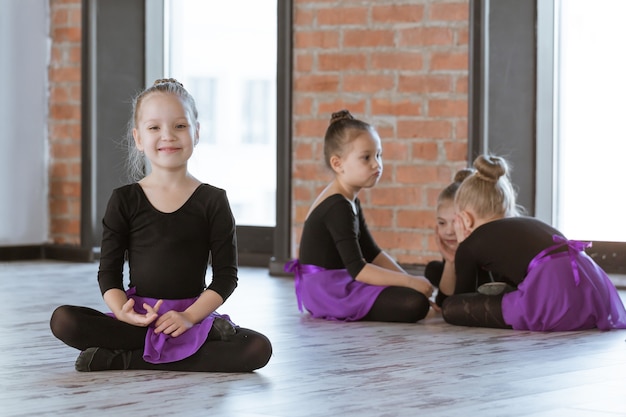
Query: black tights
[
  {"x": 474, "y": 310},
  {"x": 399, "y": 304},
  {"x": 83, "y": 327}
]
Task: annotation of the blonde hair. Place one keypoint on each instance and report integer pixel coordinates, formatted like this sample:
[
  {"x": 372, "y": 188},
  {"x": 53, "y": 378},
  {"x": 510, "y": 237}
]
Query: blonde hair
[
  {"x": 136, "y": 163},
  {"x": 488, "y": 191}
]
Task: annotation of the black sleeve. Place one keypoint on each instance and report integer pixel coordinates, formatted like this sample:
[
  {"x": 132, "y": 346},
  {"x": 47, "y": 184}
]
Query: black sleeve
[
  {"x": 368, "y": 245},
  {"x": 115, "y": 232},
  {"x": 223, "y": 246},
  {"x": 344, "y": 226},
  {"x": 465, "y": 267}
]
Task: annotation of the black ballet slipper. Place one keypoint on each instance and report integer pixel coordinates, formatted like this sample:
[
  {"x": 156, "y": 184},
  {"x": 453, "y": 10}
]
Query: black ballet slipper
[
  {"x": 224, "y": 328},
  {"x": 100, "y": 359}
]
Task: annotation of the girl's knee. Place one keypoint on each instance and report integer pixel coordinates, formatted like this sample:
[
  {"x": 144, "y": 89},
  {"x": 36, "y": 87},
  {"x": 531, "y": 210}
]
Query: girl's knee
[
  {"x": 62, "y": 322},
  {"x": 423, "y": 309},
  {"x": 258, "y": 350}
]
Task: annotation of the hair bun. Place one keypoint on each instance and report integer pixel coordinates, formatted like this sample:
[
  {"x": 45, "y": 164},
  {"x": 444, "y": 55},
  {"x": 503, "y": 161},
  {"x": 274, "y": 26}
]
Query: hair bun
[
  {"x": 168, "y": 81},
  {"x": 341, "y": 115},
  {"x": 490, "y": 168},
  {"x": 462, "y": 174}
]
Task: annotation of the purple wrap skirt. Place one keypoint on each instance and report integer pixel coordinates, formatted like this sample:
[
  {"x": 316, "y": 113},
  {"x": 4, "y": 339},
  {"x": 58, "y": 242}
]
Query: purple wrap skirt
[
  {"x": 163, "y": 348},
  {"x": 564, "y": 291},
  {"x": 332, "y": 294}
]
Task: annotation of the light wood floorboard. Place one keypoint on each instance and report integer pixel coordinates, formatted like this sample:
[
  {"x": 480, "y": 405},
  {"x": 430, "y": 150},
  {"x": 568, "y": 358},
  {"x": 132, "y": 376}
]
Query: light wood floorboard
[{"x": 318, "y": 368}]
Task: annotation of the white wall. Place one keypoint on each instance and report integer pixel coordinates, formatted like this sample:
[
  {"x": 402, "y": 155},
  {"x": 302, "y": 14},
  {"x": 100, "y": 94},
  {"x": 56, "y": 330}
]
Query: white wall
[{"x": 24, "y": 56}]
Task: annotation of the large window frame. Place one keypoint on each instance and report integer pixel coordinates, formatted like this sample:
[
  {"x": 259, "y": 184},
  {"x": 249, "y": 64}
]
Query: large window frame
[
  {"x": 127, "y": 34},
  {"x": 526, "y": 32}
]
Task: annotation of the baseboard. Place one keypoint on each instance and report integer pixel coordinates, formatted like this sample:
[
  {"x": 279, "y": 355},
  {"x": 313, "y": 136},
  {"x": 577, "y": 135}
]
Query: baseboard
[
  {"x": 21, "y": 253},
  {"x": 69, "y": 253},
  {"x": 277, "y": 268},
  {"x": 253, "y": 259},
  {"x": 610, "y": 256},
  {"x": 46, "y": 251},
  {"x": 79, "y": 254}
]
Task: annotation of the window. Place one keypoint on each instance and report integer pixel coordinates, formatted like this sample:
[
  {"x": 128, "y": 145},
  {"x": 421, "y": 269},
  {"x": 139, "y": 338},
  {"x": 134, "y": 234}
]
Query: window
[
  {"x": 225, "y": 54},
  {"x": 590, "y": 106},
  {"x": 205, "y": 93},
  {"x": 256, "y": 114}
]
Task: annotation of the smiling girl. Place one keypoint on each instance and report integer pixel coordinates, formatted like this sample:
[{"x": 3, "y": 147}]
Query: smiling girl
[{"x": 166, "y": 225}]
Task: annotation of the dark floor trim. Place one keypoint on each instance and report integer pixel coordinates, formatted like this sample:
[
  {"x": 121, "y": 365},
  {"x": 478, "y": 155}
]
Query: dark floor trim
[
  {"x": 21, "y": 253},
  {"x": 611, "y": 256},
  {"x": 68, "y": 253},
  {"x": 253, "y": 259},
  {"x": 46, "y": 251},
  {"x": 277, "y": 268},
  {"x": 80, "y": 254}
]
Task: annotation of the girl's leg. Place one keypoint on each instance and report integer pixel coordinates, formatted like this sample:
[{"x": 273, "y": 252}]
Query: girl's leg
[
  {"x": 244, "y": 351},
  {"x": 474, "y": 310},
  {"x": 433, "y": 272},
  {"x": 83, "y": 327},
  {"x": 399, "y": 304}
]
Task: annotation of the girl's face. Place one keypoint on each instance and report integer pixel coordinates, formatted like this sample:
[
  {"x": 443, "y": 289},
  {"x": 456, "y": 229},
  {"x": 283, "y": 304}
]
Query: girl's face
[
  {"x": 164, "y": 131},
  {"x": 361, "y": 165},
  {"x": 445, "y": 223}
]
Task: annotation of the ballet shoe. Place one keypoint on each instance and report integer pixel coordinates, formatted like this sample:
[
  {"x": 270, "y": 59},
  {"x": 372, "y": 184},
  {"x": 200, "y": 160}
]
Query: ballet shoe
[
  {"x": 101, "y": 359},
  {"x": 225, "y": 328}
]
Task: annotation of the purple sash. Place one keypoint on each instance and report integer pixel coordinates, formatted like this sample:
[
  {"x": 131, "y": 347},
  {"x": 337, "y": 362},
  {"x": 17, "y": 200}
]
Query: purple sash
[
  {"x": 573, "y": 248},
  {"x": 331, "y": 294},
  {"x": 296, "y": 268},
  {"x": 163, "y": 348},
  {"x": 548, "y": 299}
]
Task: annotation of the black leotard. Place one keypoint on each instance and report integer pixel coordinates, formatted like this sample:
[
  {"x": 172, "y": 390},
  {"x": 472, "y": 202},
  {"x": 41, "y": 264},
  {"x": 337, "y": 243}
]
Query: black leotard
[
  {"x": 335, "y": 237},
  {"x": 168, "y": 253},
  {"x": 503, "y": 247}
]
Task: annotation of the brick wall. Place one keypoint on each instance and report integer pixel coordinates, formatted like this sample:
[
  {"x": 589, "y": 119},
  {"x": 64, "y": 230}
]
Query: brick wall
[
  {"x": 402, "y": 66},
  {"x": 64, "y": 122}
]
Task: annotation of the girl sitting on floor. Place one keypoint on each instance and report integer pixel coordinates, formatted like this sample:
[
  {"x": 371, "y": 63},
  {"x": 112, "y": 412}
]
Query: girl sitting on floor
[
  {"x": 341, "y": 273},
  {"x": 166, "y": 224},
  {"x": 442, "y": 271},
  {"x": 548, "y": 282}
]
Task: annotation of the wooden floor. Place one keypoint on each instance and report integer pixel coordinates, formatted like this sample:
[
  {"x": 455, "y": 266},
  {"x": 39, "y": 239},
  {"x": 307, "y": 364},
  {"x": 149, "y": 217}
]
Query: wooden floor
[{"x": 318, "y": 368}]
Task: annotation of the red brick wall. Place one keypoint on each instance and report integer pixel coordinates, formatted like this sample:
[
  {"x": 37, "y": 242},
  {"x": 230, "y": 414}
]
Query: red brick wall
[
  {"x": 64, "y": 122},
  {"x": 402, "y": 66}
]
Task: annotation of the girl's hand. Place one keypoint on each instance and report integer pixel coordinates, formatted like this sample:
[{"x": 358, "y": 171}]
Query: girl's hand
[
  {"x": 422, "y": 285},
  {"x": 173, "y": 323},
  {"x": 447, "y": 252},
  {"x": 130, "y": 316},
  {"x": 461, "y": 231}
]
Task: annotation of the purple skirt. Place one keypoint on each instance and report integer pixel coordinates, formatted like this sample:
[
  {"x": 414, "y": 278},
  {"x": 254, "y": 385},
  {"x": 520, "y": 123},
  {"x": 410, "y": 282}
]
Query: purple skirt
[
  {"x": 564, "y": 291},
  {"x": 332, "y": 294},
  {"x": 163, "y": 348}
]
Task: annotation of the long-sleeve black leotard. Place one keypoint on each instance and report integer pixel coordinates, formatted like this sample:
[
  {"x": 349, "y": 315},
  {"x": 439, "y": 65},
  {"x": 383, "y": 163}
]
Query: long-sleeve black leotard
[
  {"x": 503, "y": 247},
  {"x": 335, "y": 237},
  {"x": 168, "y": 253}
]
